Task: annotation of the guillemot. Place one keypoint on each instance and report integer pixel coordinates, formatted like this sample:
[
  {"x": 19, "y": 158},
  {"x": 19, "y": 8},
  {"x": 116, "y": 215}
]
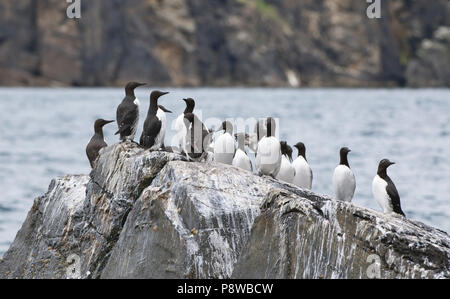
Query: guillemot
[
  {"x": 268, "y": 154},
  {"x": 384, "y": 190},
  {"x": 198, "y": 137},
  {"x": 97, "y": 141},
  {"x": 180, "y": 128},
  {"x": 344, "y": 183},
  {"x": 240, "y": 158},
  {"x": 154, "y": 130},
  {"x": 127, "y": 114},
  {"x": 303, "y": 173},
  {"x": 224, "y": 144},
  {"x": 287, "y": 171}
]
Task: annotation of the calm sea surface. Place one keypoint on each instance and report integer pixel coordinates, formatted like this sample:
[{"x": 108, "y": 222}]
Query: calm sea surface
[{"x": 43, "y": 134}]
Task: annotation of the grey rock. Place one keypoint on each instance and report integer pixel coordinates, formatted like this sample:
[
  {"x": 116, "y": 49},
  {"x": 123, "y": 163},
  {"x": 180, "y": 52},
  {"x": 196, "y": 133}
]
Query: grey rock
[
  {"x": 142, "y": 214},
  {"x": 297, "y": 237}
]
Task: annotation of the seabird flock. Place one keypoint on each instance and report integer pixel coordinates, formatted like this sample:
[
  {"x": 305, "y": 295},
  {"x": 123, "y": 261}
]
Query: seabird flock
[{"x": 272, "y": 157}]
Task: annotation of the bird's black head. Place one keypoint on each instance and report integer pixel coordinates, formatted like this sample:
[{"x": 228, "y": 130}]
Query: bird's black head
[
  {"x": 190, "y": 105},
  {"x": 129, "y": 88},
  {"x": 271, "y": 126},
  {"x": 384, "y": 164},
  {"x": 343, "y": 154},
  {"x": 242, "y": 139},
  {"x": 286, "y": 149},
  {"x": 99, "y": 123},
  {"x": 226, "y": 126},
  {"x": 300, "y": 146},
  {"x": 156, "y": 94}
]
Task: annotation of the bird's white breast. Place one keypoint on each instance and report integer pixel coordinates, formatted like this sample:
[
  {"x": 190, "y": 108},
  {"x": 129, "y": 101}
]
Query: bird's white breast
[
  {"x": 224, "y": 149},
  {"x": 344, "y": 183},
  {"x": 136, "y": 102},
  {"x": 241, "y": 160},
  {"x": 380, "y": 194},
  {"x": 268, "y": 157},
  {"x": 161, "y": 115},
  {"x": 287, "y": 171},
  {"x": 303, "y": 174}
]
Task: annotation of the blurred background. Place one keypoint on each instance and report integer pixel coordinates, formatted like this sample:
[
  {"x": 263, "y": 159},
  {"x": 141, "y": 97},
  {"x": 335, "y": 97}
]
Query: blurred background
[
  {"x": 225, "y": 43},
  {"x": 330, "y": 74}
]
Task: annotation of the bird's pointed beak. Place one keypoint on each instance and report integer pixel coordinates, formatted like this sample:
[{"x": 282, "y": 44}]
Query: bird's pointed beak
[
  {"x": 108, "y": 121},
  {"x": 392, "y": 163},
  {"x": 141, "y": 84}
]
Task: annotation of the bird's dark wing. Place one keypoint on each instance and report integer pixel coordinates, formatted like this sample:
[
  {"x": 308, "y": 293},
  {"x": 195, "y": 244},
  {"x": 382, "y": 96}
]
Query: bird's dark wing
[
  {"x": 93, "y": 147},
  {"x": 152, "y": 126},
  {"x": 126, "y": 116},
  {"x": 395, "y": 198}
]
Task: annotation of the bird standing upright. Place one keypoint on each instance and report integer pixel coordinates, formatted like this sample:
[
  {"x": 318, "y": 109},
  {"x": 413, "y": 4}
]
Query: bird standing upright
[
  {"x": 384, "y": 190},
  {"x": 268, "y": 155},
  {"x": 287, "y": 172},
  {"x": 344, "y": 183},
  {"x": 180, "y": 128},
  {"x": 127, "y": 114},
  {"x": 303, "y": 173},
  {"x": 154, "y": 130},
  {"x": 198, "y": 138},
  {"x": 97, "y": 141},
  {"x": 224, "y": 144}
]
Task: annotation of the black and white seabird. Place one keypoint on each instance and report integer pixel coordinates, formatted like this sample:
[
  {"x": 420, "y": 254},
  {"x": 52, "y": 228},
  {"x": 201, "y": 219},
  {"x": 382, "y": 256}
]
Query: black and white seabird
[
  {"x": 384, "y": 190},
  {"x": 127, "y": 114},
  {"x": 224, "y": 144},
  {"x": 180, "y": 128},
  {"x": 303, "y": 173},
  {"x": 97, "y": 141},
  {"x": 344, "y": 183},
  {"x": 287, "y": 171},
  {"x": 240, "y": 158},
  {"x": 198, "y": 137},
  {"x": 154, "y": 130},
  {"x": 268, "y": 154}
]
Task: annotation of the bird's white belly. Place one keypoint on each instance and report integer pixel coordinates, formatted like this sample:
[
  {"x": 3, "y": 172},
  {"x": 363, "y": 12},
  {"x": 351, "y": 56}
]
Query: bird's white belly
[
  {"x": 268, "y": 158},
  {"x": 287, "y": 171},
  {"x": 224, "y": 149},
  {"x": 159, "y": 140},
  {"x": 303, "y": 173},
  {"x": 241, "y": 160},
  {"x": 344, "y": 183},
  {"x": 380, "y": 194}
]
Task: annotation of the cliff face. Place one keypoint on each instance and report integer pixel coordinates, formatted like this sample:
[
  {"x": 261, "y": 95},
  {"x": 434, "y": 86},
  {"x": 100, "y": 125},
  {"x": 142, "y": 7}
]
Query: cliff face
[
  {"x": 154, "y": 215},
  {"x": 223, "y": 42}
]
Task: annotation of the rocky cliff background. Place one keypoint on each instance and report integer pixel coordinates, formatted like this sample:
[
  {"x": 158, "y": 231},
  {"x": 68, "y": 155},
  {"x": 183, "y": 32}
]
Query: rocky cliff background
[{"x": 225, "y": 42}]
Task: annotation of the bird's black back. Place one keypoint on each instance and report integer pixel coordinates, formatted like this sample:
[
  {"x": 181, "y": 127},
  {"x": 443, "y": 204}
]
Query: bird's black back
[
  {"x": 93, "y": 147},
  {"x": 394, "y": 196},
  {"x": 126, "y": 115},
  {"x": 152, "y": 126}
]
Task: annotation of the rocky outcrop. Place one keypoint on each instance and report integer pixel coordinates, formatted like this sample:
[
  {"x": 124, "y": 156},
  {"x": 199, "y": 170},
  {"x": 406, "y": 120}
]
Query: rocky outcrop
[
  {"x": 302, "y": 237},
  {"x": 144, "y": 214},
  {"x": 217, "y": 43}
]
